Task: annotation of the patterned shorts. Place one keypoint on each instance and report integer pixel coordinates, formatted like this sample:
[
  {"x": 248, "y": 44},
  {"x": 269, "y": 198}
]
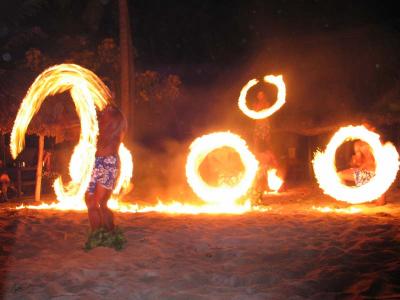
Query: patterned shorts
[
  {"x": 105, "y": 172},
  {"x": 362, "y": 177}
]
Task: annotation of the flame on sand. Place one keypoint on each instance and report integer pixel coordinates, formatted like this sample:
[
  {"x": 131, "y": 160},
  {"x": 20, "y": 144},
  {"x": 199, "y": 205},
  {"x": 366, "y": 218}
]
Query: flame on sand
[
  {"x": 265, "y": 113},
  {"x": 224, "y": 195},
  {"x": 87, "y": 92},
  {"x": 274, "y": 181},
  {"x": 386, "y": 160},
  {"x": 347, "y": 210}
]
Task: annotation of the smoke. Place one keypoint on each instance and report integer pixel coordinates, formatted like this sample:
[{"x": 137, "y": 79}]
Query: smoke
[{"x": 330, "y": 78}]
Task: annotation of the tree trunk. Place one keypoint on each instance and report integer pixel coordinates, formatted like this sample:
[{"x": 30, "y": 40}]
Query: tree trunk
[
  {"x": 39, "y": 168},
  {"x": 126, "y": 63}
]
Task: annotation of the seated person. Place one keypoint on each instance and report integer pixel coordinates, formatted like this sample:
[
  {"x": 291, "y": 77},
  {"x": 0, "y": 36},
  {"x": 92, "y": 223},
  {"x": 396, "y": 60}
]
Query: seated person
[
  {"x": 5, "y": 183},
  {"x": 7, "y": 189},
  {"x": 362, "y": 167}
]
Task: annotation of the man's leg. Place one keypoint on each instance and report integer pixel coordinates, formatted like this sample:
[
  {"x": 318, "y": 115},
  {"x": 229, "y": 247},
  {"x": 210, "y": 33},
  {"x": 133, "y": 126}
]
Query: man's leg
[
  {"x": 102, "y": 194},
  {"x": 93, "y": 211}
]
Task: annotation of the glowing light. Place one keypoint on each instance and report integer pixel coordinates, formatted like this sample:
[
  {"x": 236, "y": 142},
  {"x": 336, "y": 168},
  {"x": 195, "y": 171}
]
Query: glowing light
[
  {"x": 347, "y": 210},
  {"x": 386, "y": 159},
  {"x": 265, "y": 113},
  {"x": 274, "y": 181},
  {"x": 87, "y": 92},
  {"x": 200, "y": 148}
]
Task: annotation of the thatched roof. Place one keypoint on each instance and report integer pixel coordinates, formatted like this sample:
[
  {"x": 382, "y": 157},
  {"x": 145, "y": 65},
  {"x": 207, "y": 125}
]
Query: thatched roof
[
  {"x": 309, "y": 126},
  {"x": 56, "y": 117}
]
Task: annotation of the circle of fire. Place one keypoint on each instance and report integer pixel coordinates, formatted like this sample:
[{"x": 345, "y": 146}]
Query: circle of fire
[
  {"x": 386, "y": 161},
  {"x": 200, "y": 148},
  {"x": 264, "y": 113},
  {"x": 87, "y": 92}
]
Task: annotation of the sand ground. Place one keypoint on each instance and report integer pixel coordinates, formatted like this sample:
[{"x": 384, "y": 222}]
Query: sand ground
[{"x": 289, "y": 252}]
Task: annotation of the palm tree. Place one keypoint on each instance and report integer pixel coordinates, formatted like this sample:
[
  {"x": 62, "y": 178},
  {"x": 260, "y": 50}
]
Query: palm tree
[{"x": 127, "y": 65}]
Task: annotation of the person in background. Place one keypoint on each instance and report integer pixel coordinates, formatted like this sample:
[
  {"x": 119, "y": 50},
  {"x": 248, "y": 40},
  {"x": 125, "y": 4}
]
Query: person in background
[
  {"x": 262, "y": 128},
  {"x": 362, "y": 166},
  {"x": 262, "y": 144},
  {"x": 7, "y": 189}
]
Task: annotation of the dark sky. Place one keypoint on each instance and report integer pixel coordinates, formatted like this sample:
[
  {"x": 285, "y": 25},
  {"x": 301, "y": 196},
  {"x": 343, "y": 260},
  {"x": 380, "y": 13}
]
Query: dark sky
[
  {"x": 343, "y": 52},
  {"x": 214, "y": 32}
]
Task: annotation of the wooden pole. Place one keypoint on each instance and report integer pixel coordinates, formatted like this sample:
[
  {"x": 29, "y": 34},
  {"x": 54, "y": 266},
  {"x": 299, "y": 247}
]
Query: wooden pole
[
  {"x": 39, "y": 168},
  {"x": 19, "y": 182},
  {"x": 127, "y": 76},
  {"x": 124, "y": 43}
]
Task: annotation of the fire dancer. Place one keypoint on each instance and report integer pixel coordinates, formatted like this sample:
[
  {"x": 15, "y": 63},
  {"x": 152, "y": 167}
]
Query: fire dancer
[
  {"x": 261, "y": 133},
  {"x": 112, "y": 127},
  {"x": 262, "y": 142},
  {"x": 362, "y": 167},
  {"x": 267, "y": 161}
]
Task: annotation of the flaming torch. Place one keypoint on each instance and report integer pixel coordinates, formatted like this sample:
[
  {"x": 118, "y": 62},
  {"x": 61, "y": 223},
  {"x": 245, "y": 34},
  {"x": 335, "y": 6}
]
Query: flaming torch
[
  {"x": 386, "y": 159},
  {"x": 265, "y": 113}
]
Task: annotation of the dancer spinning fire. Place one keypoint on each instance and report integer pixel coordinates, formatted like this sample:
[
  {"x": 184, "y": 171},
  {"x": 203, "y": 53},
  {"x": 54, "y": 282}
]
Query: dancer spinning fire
[
  {"x": 112, "y": 127},
  {"x": 362, "y": 166},
  {"x": 261, "y": 144}
]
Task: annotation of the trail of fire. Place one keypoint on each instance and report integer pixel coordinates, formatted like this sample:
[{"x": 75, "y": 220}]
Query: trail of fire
[
  {"x": 200, "y": 148},
  {"x": 266, "y": 112},
  {"x": 87, "y": 92},
  {"x": 169, "y": 208},
  {"x": 386, "y": 160},
  {"x": 347, "y": 210}
]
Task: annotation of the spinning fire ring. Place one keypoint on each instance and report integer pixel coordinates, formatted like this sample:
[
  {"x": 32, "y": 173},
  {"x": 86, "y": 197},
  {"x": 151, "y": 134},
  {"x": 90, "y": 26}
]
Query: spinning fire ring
[
  {"x": 200, "y": 148},
  {"x": 265, "y": 113},
  {"x": 386, "y": 160}
]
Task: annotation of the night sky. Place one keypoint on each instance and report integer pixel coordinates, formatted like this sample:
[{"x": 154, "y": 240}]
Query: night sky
[
  {"x": 340, "y": 53},
  {"x": 214, "y": 32}
]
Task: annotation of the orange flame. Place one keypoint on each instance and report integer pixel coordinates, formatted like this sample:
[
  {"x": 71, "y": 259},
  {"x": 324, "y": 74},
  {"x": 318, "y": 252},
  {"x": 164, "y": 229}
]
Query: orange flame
[
  {"x": 265, "y": 113},
  {"x": 347, "y": 210},
  {"x": 274, "y": 181},
  {"x": 387, "y": 166},
  {"x": 87, "y": 92},
  {"x": 224, "y": 194}
]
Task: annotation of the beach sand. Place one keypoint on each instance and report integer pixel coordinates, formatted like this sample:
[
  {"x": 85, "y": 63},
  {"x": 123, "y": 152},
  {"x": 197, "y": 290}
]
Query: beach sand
[{"x": 288, "y": 252}]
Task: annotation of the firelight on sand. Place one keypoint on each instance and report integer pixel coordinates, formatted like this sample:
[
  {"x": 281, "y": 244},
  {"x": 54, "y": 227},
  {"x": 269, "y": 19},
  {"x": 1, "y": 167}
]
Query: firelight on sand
[
  {"x": 87, "y": 92},
  {"x": 274, "y": 181},
  {"x": 265, "y": 113},
  {"x": 346, "y": 210},
  {"x": 386, "y": 160}
]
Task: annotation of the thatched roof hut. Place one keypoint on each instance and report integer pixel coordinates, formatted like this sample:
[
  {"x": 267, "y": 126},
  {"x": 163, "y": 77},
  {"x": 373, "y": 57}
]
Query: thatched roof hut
[{"x": 56, "y": 117}]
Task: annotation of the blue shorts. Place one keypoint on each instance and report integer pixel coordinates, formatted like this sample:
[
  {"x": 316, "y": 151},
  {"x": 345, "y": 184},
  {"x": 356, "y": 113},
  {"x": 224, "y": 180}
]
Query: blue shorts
[
  {"x": 105, "y": 172},
  {"x": 362, "y": 176}
]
